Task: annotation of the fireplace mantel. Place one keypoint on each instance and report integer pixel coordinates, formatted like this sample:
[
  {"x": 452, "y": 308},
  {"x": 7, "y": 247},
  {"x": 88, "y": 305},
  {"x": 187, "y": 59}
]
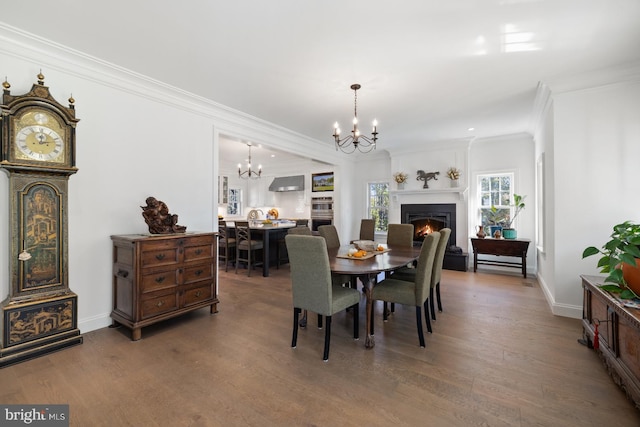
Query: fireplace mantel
[{"x": 462, "y": 191}]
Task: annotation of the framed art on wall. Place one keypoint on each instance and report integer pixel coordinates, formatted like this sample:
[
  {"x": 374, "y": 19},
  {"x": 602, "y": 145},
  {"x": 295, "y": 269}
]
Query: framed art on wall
[{"x": 322, "y": 181}]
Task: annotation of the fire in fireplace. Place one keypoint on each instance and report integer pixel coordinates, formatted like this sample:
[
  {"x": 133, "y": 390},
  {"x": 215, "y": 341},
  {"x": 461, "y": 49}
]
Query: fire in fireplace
[{"x": 430, "y": 217}]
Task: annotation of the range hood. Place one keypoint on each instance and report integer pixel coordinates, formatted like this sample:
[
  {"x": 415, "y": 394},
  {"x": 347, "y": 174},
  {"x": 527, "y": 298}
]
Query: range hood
[{"x": 288, "y": 183}]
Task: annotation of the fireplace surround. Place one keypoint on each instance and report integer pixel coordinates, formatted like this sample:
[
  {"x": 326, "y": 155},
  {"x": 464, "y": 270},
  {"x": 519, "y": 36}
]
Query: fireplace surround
[{"x": 429, "y": 217}]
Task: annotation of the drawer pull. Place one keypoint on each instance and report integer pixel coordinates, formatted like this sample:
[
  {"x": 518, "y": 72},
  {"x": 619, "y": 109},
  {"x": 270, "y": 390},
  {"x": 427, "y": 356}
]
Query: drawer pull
[
  {"x": 123, "y": 273},
  {"x": 160, "y": 279},
  {"x": 198, "y": 272},
  {"x": 198, "y": 251},
  {"x": 160, "y": 303},
  {"x": 160, "y": 257},
  {"x": 198, "y": 293}
]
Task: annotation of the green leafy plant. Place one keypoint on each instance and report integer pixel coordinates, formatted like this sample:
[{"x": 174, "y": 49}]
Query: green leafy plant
[
  {"x": 624, "y": 247},
  {"x": 518, "y": 204}
]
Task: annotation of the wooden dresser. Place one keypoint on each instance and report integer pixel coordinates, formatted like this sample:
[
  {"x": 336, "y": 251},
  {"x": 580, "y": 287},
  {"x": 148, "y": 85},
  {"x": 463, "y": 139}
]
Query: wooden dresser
[
  {"x": 619, "y": 335},
  {"x": 156, "y": 277}
]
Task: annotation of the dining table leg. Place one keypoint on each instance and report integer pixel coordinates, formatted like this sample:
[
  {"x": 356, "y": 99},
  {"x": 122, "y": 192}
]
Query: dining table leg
[{"x": 368, "y": 281}]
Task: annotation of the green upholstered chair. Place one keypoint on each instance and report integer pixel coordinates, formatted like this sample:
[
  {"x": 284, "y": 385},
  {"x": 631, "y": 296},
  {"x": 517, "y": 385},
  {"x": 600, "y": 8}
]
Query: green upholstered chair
[
  {"x": 330, "y": 234},
  {"x": 367, "y": 229},
  {"x": 415, "y": 293},
  {"x": 312, "y": 288},
  {"x": 332, "y": 240},
  {"x": 300, "y": 230},
  {"x": 226, "y": 245},
  {"x": 245, "y": 244},
  {"x": 400, "y": 235},
  {"x": 397, "y": 235},
  {"x": 409, "y": 273},
  {"x": 303, "y": 230}
]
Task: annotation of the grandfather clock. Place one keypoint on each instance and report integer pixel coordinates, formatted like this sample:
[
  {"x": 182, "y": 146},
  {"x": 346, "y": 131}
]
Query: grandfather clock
[{"x": 38, "y": 153}]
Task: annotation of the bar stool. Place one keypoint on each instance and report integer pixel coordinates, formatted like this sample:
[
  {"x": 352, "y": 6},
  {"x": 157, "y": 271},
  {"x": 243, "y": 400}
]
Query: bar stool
[
  {"x": 226, "y": 245},
  {"x": 244, "y": 243}
]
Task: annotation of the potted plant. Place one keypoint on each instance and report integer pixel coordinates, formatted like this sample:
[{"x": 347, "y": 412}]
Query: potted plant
[
  {"x": 495, "y": 219},
  {"x": 400, "y": 178},
  {"x": 620, "y": 260},
  {"x": 454, "y": 175},
  {"x": 518, "y": 204}
]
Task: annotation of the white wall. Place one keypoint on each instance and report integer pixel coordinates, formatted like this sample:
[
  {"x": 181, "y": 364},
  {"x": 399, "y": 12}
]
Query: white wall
[
  {"x": 136, "y": 138},
  {"x": 508, "y": 153},
  {"x": 596, "y": 147}
]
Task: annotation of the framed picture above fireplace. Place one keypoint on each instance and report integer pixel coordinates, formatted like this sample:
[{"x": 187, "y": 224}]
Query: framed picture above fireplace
[{"x": 322, "y": 181}]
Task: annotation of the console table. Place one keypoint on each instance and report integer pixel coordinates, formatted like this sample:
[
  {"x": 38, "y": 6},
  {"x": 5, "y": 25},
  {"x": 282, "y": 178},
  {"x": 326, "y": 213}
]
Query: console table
[
  {"x": 618, "y": 343},
  {"x": 501, "y": 247}
]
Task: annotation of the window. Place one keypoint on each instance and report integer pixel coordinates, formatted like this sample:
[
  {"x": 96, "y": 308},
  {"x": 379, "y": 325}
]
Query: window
[
  {"x": 378, "y": 204},
  {"x": 495, "y": 190},
  {"x": 235, "y": 202}
]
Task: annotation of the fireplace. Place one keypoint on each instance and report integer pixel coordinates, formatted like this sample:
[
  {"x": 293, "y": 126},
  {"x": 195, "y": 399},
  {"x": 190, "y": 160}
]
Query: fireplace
[{"x": 430, "y": 217}]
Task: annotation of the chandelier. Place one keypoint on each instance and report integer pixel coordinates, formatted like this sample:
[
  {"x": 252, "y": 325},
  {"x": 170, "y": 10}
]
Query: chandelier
[
  {"x": 355, "y": 141},
  {"x": 249, "y": 173}
]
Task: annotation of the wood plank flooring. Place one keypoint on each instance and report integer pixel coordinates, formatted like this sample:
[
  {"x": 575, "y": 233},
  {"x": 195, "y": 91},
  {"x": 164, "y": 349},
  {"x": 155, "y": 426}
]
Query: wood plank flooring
[{"x": 497, "y": 357}]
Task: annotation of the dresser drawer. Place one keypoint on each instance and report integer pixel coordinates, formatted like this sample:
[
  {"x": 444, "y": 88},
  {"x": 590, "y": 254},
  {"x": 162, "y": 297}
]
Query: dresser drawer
[
  {"x": 160, "y": 252},
  {"x": 198, "y": 294},
  {"x": 160, "y": 304},
  {"x": 197, "y": 273},
  {"x": 158, "y": 280},
  {"x": 199, "y": 248}
]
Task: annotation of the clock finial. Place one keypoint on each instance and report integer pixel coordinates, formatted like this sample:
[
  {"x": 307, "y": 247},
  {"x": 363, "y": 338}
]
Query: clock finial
[
  {"x": 5, "y": 83},
  {"x": 71, "y": 101},
  {"x": 40, "y": 78}
]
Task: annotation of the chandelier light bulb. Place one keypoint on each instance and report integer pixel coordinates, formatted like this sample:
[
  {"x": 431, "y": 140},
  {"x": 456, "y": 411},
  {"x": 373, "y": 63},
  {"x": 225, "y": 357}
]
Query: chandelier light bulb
[{"x": 355, "y": 141}]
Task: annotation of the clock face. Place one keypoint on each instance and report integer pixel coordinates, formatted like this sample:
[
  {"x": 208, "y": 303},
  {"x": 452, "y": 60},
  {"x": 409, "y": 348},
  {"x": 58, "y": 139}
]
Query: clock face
[
  {"x": 40, "y": 143},
  {"x": 39, "y": 136}
]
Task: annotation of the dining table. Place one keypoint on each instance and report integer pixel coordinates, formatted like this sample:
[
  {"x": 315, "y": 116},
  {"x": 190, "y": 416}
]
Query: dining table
[{"x": 367, "y": 270}]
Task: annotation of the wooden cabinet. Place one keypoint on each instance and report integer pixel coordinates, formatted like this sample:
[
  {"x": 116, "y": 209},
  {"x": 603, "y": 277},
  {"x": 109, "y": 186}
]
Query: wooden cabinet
[
  {"x": 156, "y": 277},
  {"x": 619, "y": 335},
  {"x": 501, "y": 247}
]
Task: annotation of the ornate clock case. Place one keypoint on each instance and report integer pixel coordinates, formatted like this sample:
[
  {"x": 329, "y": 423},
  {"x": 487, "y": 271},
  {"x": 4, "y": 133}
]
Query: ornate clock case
[{"x": 37, "y": 136}]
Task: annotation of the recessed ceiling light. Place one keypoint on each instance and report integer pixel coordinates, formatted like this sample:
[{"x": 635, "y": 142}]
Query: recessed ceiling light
[{"x": 470, "y": 129}]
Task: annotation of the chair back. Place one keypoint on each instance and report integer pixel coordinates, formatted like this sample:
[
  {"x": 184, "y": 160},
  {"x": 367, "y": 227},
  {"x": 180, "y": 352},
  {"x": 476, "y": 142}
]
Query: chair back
[
  {"x": 367, "y": 229},
  {"x": 243, "y": 234},
  {"x": 301, "y": 230},
  {"x": 330, "y": 234},
  {"x": 310, "y": 273},
  {"x": 424, "y": 268},
  {"x": 302, "y": 222},
  {"x": 439, "y": 258},
  {"x": 400, "y": 235},
  {"x": 222, "y": 230}
]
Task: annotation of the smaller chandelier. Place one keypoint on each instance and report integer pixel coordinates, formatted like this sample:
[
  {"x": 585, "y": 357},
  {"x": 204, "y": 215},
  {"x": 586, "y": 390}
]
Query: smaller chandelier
[
  {"x": 249, "y": 173},
  {"x": 355, "y": 141}
]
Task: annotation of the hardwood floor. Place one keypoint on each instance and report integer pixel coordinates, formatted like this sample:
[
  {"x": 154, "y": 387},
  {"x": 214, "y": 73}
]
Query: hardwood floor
[{"x": 497, "y": 357}]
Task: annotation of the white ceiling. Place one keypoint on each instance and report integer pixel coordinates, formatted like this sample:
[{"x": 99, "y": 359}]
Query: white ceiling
[{"x": 429, "y": 69}]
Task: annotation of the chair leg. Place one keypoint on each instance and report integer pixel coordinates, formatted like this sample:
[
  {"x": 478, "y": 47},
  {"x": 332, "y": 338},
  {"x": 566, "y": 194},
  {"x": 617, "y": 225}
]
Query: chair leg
[
  {"x": 393, "y": 307},
  {"x": 237, "y": 258},
  {"x": 356, "y": 321},
  {"x": 438, "y": 296},
  {"x": 419, "y": 322},
  {"x": 431, "y": 299},
  {"x": 303, "y": 321},
  {"x": 371, "y": 321},
  {"x": 249, "y": 261},
  {"x": 327, "y": 338},
  {"x": 426, "y": 317},
  {"x": 385, "y": 311},
  {"x": 294, "y": 339},
  {"x": 319, "y": 321}
]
